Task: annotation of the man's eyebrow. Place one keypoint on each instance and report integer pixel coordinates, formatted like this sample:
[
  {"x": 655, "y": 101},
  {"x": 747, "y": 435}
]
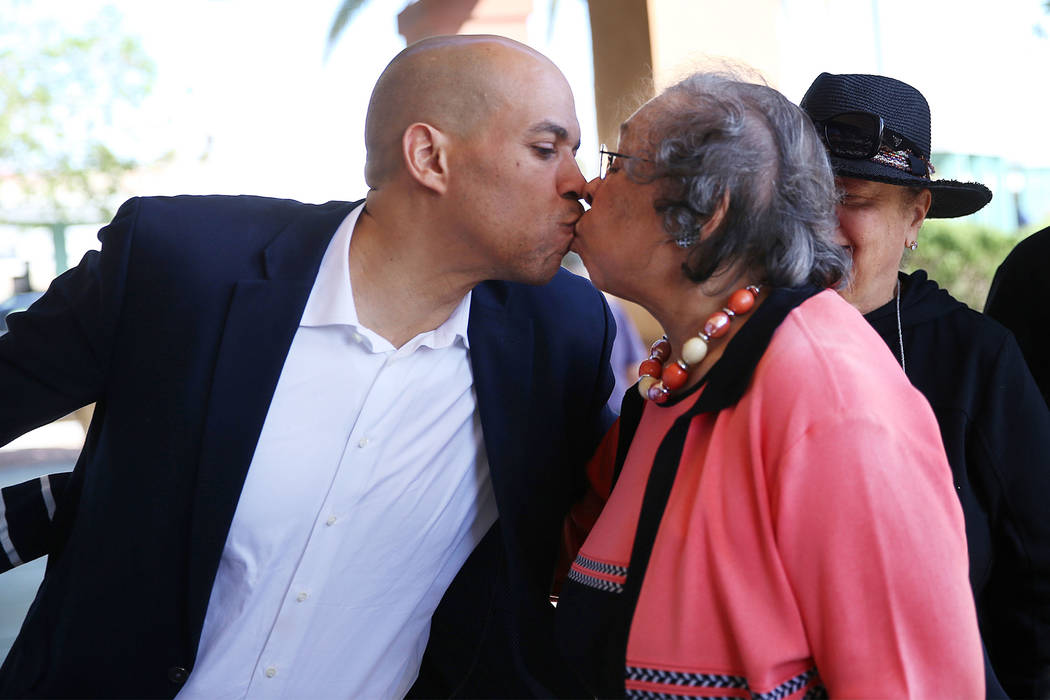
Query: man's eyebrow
[{"x": 549, "y": 127}]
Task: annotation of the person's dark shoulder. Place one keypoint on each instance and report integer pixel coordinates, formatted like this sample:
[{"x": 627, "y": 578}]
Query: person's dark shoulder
[
  {"x": 222, "y": 217},
  {"x": 227, "y": 233},
  {"x": 986, "y": 355},
  {"x": 977, "y": 333},
  {"x": 951, "y": 345},
  {"x": 1032, "y": 252}
]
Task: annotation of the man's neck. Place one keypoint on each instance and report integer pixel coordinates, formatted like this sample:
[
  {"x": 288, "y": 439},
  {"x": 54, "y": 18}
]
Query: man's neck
[{"x": 401, "y": 285}]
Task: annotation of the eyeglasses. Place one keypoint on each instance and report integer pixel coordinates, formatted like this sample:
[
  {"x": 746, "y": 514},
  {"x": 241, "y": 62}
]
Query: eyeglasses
[
  {"x": 858, "y": 135},
  {"x": 606, "y": 158}
]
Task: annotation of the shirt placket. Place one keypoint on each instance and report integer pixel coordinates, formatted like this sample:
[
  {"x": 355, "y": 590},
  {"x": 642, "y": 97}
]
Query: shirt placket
[{"x": 353, "y": 478}]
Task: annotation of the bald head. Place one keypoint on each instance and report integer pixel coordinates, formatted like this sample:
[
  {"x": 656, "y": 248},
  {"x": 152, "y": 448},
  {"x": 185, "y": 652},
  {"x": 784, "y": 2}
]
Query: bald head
[{"x": 453, "y": 83}]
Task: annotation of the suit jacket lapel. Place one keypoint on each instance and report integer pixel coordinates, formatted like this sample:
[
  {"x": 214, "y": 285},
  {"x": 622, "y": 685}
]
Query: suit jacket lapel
[
  {"x": 501, "y": 356},
  {"x": 260, "y": 323}
]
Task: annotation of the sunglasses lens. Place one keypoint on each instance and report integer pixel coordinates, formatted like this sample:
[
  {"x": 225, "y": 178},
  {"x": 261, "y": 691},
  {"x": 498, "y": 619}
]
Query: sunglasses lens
[{"x": 853, "y": 135}]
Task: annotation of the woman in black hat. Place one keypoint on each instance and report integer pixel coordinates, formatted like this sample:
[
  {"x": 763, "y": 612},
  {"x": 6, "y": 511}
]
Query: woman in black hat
[{"x": 994, "y": 424}]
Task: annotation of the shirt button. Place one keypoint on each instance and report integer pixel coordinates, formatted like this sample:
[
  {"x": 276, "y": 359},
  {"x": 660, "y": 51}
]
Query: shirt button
[
  {"x": 177, "y": 675},
  {"x": 331, "y": 521},
  {"x": 271, "y": 672},
  {"x": 363, "y": 442},
  {"x": 302, "y": 596}
]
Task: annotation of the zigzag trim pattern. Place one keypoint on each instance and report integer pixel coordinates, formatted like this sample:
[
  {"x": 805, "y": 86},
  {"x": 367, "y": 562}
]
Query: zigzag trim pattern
[
  {"x": 817, "y": 692},
  {"x": 713, "y": 680},
  {"x": 595, "y": 582},
  {"x": 788, "y": 687},
  {"x": 653, "y": 695},
  {"x": 608, "y": 569},
  {"x": 692, "y": 680}
]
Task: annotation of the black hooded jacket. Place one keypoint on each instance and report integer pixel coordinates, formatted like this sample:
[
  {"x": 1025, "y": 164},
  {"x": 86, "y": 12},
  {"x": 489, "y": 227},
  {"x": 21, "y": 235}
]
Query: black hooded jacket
[
  {"x": 1017, "y": 300},
  {"x": 996, "y": 431}
]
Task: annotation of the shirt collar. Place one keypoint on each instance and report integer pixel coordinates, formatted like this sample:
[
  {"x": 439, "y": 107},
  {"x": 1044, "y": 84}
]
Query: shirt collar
[{"x": 331, "y": 301}]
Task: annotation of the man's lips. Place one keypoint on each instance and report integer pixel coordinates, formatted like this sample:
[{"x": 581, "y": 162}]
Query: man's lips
[{"x": 576, "y": 223}]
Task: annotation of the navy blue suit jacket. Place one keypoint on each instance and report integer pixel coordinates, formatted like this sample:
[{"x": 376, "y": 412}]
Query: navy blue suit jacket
[{"x": 178, "y": 330}]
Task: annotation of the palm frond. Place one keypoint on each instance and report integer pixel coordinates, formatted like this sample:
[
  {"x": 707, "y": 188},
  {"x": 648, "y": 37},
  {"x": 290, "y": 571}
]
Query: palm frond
[
  {"x": 342, "y": 18},
  {"x": 552, "y": 10}
]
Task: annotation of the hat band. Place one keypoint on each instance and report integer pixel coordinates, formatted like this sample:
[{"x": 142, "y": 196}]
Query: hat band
[{"x": 911, "y": 163}]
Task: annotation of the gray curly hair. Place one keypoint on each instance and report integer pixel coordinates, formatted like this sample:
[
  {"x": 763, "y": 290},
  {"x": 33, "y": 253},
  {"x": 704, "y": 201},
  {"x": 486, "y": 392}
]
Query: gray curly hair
[{"x": 714, "y": 137}]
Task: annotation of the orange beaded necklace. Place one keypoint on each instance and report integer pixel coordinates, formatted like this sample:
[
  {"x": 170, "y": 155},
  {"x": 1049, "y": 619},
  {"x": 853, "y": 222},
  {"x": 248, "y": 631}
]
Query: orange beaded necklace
[{"x": 656, "y": 381}]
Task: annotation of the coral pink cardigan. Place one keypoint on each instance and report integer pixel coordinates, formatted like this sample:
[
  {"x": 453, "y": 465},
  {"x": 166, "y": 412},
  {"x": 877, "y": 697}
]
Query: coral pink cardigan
[{"x": 811, "y": 543}]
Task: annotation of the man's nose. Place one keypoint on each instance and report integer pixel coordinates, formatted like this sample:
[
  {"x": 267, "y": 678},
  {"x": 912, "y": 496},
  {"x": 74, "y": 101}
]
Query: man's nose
[{"x": 572, "y": 180}]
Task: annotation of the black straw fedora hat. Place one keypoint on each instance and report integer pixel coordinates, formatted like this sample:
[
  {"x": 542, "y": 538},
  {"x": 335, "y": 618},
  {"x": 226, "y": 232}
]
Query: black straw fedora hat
[{"x": 903, "y": 159}]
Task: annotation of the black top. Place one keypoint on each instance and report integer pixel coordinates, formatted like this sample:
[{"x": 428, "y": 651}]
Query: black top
[
  {"x": 996, "y": 431},
  {"x": 1018, "y": 300}
]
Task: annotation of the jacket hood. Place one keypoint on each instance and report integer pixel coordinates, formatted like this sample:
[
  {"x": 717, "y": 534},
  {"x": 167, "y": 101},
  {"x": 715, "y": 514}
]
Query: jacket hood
[{"x": 921, "y": 301}]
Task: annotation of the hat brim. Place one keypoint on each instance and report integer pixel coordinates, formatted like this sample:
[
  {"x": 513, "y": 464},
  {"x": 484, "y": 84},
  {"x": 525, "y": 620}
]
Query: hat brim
[{"x": 951, "y": 198}]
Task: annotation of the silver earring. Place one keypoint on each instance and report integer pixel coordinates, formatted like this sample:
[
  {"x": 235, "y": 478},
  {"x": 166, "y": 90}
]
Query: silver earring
[{"x": 913, "y": 245}]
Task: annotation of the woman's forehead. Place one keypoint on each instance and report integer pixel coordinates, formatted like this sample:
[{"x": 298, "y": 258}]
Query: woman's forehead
[{"x": 866, "y": 187}]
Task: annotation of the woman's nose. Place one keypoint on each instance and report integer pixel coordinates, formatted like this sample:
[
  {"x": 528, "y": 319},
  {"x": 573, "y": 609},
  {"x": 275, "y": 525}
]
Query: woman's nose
[{"x": 589, "y": 189}]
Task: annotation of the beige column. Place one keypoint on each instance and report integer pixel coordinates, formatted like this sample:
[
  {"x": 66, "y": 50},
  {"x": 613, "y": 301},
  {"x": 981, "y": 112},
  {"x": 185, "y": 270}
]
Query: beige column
[
  {"x": 623, "y": 74},
  {"x": 689, "y": 35},
  {"x": 431, "y": 17}
]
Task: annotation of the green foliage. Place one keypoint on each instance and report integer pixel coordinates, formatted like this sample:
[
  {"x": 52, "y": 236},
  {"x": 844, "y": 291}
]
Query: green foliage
[
  {"x": 961, "y": 257},
  {"x": 64, "y": 102}
]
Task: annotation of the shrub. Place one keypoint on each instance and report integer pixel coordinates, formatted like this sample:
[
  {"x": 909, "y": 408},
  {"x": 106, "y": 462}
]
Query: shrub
[{"x": 961, "y": 257}]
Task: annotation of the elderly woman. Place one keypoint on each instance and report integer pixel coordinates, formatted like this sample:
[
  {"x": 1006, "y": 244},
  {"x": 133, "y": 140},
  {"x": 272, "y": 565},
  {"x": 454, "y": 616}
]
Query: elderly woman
[
  {"x": 783, "y": 522},
  {"x": 992, "y": 418}
]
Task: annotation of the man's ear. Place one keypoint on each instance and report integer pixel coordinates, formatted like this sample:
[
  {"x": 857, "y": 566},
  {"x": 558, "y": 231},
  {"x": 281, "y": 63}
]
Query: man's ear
[{"x": 424, "y": 149}]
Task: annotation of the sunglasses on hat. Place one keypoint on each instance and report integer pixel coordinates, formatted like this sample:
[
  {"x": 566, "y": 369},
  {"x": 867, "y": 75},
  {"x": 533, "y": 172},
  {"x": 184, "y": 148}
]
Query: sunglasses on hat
[{"x": 858, "y": 135}]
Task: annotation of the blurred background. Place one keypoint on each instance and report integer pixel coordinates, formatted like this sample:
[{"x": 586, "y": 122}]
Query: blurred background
[{"x": 101, "y": 101}]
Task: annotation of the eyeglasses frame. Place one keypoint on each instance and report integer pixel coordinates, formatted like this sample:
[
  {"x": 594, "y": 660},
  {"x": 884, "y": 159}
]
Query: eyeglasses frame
[{"x": 605, "y": 160}]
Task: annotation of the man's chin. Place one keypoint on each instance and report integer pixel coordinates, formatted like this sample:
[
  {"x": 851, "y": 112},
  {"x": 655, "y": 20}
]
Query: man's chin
[{"x": 538, "y": 276}]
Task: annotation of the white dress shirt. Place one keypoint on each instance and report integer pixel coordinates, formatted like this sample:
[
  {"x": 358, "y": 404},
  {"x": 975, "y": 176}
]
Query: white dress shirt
[{"x": 368, "y": 490}]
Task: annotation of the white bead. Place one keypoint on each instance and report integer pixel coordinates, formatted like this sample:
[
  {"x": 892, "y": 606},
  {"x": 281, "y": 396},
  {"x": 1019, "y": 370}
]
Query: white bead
[
  {"x": 694, "y": 351},
  {"x": 644, "y": 383}
]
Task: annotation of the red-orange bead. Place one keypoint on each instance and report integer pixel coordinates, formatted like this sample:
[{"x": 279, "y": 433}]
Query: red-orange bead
[
  {"x": 675, "y": 376},
  {"x": 741, "y": 301},
  {"x": 650, "y": 367},
  {"x": 660, "y": 350},
  {"x": 658, "y": 394},
  {"x": 717, "y": 324}
]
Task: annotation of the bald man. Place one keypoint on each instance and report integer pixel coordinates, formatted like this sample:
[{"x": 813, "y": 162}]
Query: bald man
[{"x": 330, "y": 455}]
